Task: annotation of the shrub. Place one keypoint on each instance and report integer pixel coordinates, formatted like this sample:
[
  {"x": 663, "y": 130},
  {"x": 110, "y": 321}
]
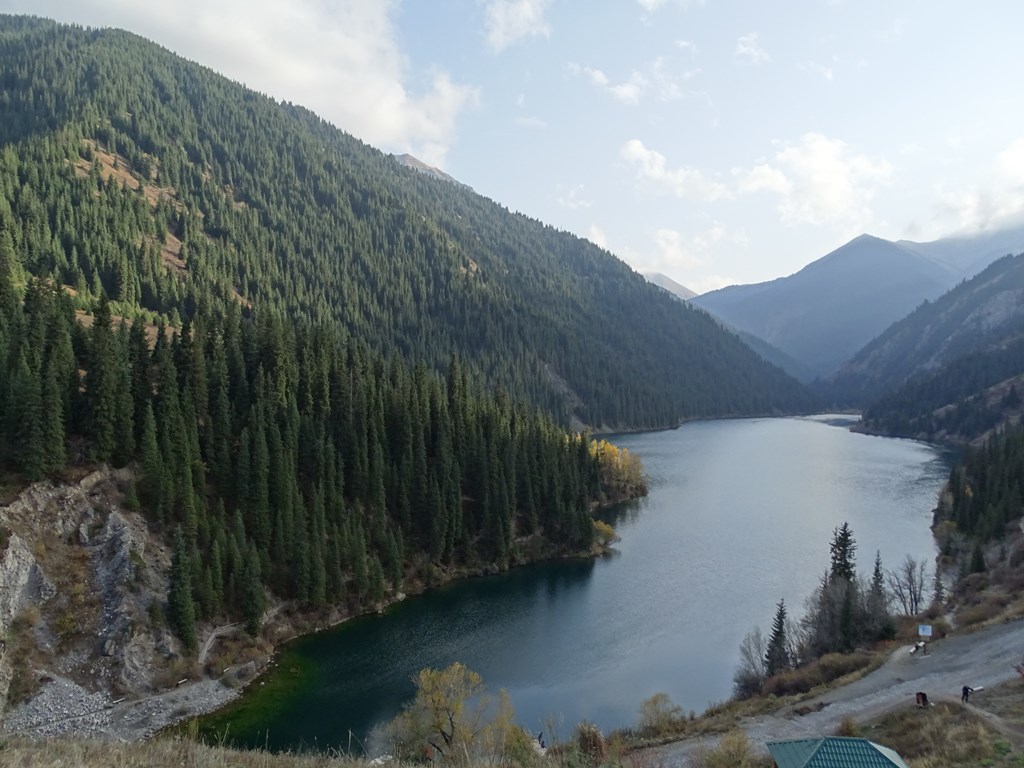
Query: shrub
[
  {"x": 983, "y": 611},
  {"x": 591, "y": 743},
  {"x": 847, "y": 727},
  {"x": 733, "y": 751},
  {"x": 660, "y": 716},
  {"x": 604, "y": 534},
  {"x": 453, "y": 716},
  {"x": 829, "y": 667}
]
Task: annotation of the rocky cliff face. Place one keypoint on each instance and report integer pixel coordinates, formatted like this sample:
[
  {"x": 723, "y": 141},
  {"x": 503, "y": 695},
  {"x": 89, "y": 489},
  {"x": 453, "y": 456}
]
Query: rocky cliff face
[
  {"x": 80, "y": 579},
  {"x": 22, "y": 584}
]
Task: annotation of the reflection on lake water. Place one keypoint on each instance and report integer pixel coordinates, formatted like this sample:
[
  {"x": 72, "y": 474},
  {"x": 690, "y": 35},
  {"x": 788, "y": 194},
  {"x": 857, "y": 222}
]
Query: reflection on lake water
[{"x": 739, "y": 515}]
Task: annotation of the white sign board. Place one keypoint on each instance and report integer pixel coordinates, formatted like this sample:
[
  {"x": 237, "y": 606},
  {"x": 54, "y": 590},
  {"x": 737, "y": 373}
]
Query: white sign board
[{"x": 924, "y": 630}]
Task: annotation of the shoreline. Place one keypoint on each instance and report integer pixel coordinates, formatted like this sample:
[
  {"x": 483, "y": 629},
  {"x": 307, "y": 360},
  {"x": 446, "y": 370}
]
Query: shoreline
[{"x": 62, "y": 708}]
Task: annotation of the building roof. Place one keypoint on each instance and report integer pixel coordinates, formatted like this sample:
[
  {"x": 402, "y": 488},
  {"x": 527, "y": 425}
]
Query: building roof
[{"x": 833, "y": 752}]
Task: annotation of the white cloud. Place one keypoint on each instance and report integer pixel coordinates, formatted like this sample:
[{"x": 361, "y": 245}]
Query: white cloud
[
  {"x": 573, "y": 199},
  {"x": 650, "y": 6},
  {"x": 819, "y": 69},
  {"x": 996, "y": 203},
  {"x": 761, "y": 177},
  {"x": 682, "y": 182},
  {"x": 680, "y": 255},
  {"x": 627, "y": 92},
  {"x": 657, "y": 78},
  {"x": 341, "y": 60},
  {"x": 748, "y": 47},
  {"x": 673, "y": 251},
  {"x": 687, "y": 45},
  {"x": 1010, "y": 163},
  {"x": 893, "y": 31},
  {"x": 710, "y": 283},
  {"x": 532, "y": 122},
  {"x": 820, "y": 181},
  {"x": 509, "y": 21}
]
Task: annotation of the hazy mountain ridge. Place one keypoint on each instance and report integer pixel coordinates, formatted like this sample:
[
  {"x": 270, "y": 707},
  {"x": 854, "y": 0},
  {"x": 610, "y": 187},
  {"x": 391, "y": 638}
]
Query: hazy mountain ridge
[
  {"x": 828, "y": 310},
  {"x": 767, "y": 352},
  {"x": 967, "y": 255},
  {"x": 664, "y": 281},
  {"x": 951, "y": 371},
  {"x": 985, "y": 312},
  {"x": 823, "y": 314}
]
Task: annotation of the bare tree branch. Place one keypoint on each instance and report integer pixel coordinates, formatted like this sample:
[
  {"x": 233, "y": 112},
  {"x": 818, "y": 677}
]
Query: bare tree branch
[{"x": 906, "y": 585}]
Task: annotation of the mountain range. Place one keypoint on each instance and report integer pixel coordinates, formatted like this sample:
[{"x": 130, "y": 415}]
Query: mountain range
[
  {"x": 824, "y": 313},
  {"x": 946, "y": 370}
]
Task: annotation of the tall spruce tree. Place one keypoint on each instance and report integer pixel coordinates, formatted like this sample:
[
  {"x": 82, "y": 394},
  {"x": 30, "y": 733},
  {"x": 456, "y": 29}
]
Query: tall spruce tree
[
  {"x": 181, "y": 609},
  {"x": 777, "y": 657},
  {"x": 843, "y": 548},
  {"x": 101, "y": 383}
]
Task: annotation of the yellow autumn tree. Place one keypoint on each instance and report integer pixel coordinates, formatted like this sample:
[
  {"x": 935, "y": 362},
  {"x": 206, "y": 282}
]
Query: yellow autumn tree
[
  {"x": 454, "y": 719},
  {"x": 622, "y": 474}
]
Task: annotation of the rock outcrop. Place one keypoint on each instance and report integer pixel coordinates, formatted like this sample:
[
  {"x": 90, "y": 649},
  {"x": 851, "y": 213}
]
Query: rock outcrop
[
  {"x": 84, "y": 574},
  {"x": 22, "y": 584}
]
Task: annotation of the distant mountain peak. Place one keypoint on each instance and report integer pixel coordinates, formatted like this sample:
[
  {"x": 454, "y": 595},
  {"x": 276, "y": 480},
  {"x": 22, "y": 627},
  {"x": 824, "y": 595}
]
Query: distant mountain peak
[
  {"x": 664, "y": 281},
  {"x": 429, "y": 170}
]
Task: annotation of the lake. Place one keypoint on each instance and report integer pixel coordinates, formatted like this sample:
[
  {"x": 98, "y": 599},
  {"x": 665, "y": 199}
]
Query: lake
[{"x": 740, "y": 514}]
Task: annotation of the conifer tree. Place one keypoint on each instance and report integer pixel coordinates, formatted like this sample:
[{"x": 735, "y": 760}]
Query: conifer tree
[
  {"x": 253, "y": 596},
  {"x": 181, "y": 611},
  {"x": 9, "y": 298},
  {"x": 776, "y": 656},
  {"x": 843, "y": 547},
  {"x": 28, "y": 433},
  {"x": 101, "y": 384},
  {"x": 52, "y": 422},
  {"x": 878, "y": 622},
  {"x": 153, "y": 480}
]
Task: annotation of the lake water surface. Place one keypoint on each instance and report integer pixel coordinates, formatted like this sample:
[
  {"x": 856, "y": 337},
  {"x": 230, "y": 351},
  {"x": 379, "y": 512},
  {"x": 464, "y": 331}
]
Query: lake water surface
[{"x": 740, "y": 514}]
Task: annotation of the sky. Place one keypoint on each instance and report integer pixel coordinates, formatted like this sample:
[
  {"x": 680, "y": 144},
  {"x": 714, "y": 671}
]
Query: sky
[{"x": 716, "y": 142}]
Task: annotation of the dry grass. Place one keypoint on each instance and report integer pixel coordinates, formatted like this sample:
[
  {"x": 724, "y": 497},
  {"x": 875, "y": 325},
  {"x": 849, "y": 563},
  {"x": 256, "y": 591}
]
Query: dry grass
[
  {"x": 118, "y": 168},
  {"x": 24, "y": 656},
  {"x": 18, "y": 753},
  {"x": 988, "y": 609},
  {"x": 828, "y": 669},
  {"x": 944, "y": 736},
  {"x": 733, "y": 751},
  {"x": 726, "y": 716}
]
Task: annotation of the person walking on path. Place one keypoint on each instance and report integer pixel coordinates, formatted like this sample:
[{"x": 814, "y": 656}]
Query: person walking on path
[{"x": 965, "y": 694}]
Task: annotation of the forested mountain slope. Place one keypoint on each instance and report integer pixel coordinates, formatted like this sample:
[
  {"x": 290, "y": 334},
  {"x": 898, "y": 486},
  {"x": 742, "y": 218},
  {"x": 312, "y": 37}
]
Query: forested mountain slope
[
  {"x": 985, "y": 311},
  {"x": 128, "y": 170},
  {"x": 952, "y": 368}
]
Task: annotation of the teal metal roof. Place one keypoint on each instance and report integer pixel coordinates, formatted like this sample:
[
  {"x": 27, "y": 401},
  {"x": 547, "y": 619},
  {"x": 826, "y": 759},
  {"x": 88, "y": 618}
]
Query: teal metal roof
[{"x": 833, "y": 752}]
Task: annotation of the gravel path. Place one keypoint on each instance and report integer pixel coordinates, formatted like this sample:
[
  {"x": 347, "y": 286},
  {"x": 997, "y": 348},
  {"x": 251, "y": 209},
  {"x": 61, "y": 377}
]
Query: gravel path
[
  {"x": 212, "y": 638},
  {"x": 984, "y": 658},
  {"x": 65, "y": 709}
]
